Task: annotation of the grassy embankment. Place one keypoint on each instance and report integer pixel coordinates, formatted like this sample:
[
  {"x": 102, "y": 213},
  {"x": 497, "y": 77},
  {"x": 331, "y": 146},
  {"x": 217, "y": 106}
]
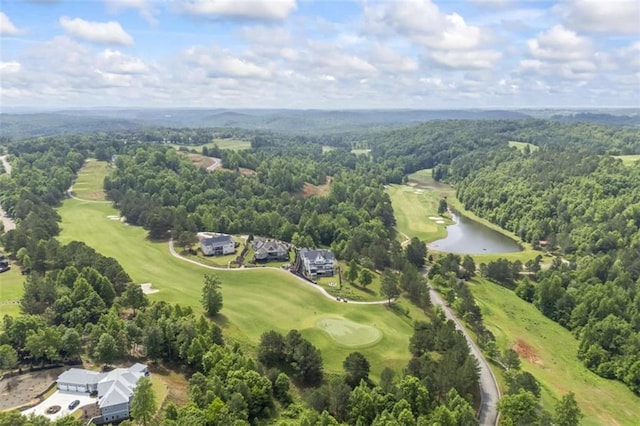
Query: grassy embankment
[
  {"x": 548, "y": 351},
  {"x": 255, "y": 300},
  {"x": 522, "y": 145}
]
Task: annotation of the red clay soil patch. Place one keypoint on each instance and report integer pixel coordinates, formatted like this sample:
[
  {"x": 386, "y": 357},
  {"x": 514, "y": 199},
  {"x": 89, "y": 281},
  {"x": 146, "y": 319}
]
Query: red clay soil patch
[
  {"x": 310, "y": 189},
  {"x": 526, "y": 352}
]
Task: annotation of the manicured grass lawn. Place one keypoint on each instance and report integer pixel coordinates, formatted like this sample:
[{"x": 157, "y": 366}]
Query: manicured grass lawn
[
  {"x": 522, "y": 145},
  {"x": 552, "y": 357},
  {"x": 11, "y": 289},
  {"x": 361, "y": 151},
  {"x": 327, "y": 148},
  {"x": 90, "y": 181},
  {"x": 255, "y": 300},
  {"x": 628, "y": 160},
  {"x": 412, "y": 207}
]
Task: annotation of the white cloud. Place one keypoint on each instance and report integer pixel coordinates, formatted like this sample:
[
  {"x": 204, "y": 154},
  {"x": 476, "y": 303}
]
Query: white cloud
[
  {"x": 612, "y": 16},
  {"x": 422, "y": 22},
  {"x": 248, "y": 9},
  {"x": 216, "y": 63},
  {"x": 114, "y": 62},
  {"x": 7, "y": 27},
  {"x": 391, "y": 60},
  {"x": 560, "y": 44},
  {"x": 98, "y": 32},
  {"x": 467, "y": 59},
  {"x": 261, "y": 34},
  {"x": 145, "y": 7},
  {"x": 10, "y": 67}
]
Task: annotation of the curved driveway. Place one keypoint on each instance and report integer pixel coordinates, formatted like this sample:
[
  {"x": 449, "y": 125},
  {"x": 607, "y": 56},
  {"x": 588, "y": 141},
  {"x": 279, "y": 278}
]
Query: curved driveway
[
  {"x": 489, "y": 390},
  {"x": 302, "y": 280}
]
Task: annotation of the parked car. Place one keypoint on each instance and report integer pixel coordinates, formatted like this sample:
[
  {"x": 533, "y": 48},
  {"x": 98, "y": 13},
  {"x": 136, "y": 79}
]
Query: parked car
[{"x": 74, "y": 404}]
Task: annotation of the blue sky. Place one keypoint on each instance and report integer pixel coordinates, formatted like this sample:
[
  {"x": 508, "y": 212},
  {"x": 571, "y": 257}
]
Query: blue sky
[{"x": 320, "y": 54}]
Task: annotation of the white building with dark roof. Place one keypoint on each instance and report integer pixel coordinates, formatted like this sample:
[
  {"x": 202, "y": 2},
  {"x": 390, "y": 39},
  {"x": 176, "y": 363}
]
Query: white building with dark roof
[
  {"x": 317, "y": 263},
  {"x": 218, "y": 245},
  {"x": 114, "y": 388}
]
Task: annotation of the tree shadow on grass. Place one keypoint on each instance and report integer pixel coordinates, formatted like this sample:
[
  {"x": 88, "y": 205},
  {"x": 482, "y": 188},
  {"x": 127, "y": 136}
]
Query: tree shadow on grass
[{"x": 221, "y": 320}]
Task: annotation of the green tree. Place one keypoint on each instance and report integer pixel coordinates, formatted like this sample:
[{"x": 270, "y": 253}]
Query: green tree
[
  {"x": 134, "y": 297},
  {"x": 442, "y": 206},
  {"x": 567, "y": 411},
  {"x": 352, "y": 272},
  {"x": 106, "y": 349},
  {"x": 357, "y": 368},
  {"x": 211, "y": 295},
  {"x": 365, "y": 277},
  {"x": 8, "y": 357},
  {"x": 416, "y": 251},
  {"x": 389, "y": 285},
  {"x": 519, "y": 409},
  {"x": 143, "y": 402}
]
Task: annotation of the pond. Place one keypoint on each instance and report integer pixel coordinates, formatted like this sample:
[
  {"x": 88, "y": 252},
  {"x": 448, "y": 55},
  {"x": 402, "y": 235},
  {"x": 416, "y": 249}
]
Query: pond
[{"x": 470, "y": 237}]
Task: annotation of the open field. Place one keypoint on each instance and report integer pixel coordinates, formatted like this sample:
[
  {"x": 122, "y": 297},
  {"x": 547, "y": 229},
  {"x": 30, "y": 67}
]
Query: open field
[
  {"x": 233, "y": 144},
  {"x": 255, "y": 300},
  {"x": 628, "y": 160},
  {"x": 361, "y": 151},
  {"x": 548, "y": 351},
  {"x": 90, "y": 181},
  {"x": 522, "y": 145}
]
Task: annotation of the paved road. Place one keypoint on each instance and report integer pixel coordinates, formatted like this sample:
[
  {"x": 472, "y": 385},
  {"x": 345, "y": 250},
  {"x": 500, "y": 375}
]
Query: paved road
[
  {"x": 489, "y": 390},
  {"x": 302, "y": 280},
  {"x": 8, "y": 223}
]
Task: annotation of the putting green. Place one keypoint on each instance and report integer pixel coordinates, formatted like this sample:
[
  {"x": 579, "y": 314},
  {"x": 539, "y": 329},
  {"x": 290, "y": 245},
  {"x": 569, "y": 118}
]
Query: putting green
[{"x": 348, "y": 333}]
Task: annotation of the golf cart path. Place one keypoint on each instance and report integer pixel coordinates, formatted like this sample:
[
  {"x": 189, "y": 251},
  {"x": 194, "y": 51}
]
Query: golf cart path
[
  {"x": 489, "y": 390},
  {"x": 302, "y": 280},
  {"x": 7, "y": 221}
]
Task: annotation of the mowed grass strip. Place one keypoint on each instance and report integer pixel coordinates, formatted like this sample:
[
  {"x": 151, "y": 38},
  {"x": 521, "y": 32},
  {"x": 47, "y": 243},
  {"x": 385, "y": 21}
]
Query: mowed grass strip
[
  {"x": 255, "y": 300},
  {"x": 522, "y": 145},
  {"x": 628, "y": 160},
  {"x": 90, "y": 181},
  {"x": 412, "y": 208},
  {"x": 232, "y": 144},
  {"x": 551, "y": 356}
]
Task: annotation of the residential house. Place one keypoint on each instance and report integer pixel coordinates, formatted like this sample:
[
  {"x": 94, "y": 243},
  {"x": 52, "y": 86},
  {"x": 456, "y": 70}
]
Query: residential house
[
  {"x": 266, "y": 250},
  {"x": 317, "y": 262},
  {"x": 218, "y": 245},
  {"x": 114, "y": 388}
]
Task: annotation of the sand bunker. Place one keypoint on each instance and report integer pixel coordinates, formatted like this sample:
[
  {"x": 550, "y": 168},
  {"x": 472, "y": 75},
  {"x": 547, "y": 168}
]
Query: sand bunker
[
  {"x": 113, "y": 217},
  {"x": 440, "y": 222},
  {"x": 146, "y": 288},
  {"x": 348, "y": 333},
  {"x": 435, "y": 218}
]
